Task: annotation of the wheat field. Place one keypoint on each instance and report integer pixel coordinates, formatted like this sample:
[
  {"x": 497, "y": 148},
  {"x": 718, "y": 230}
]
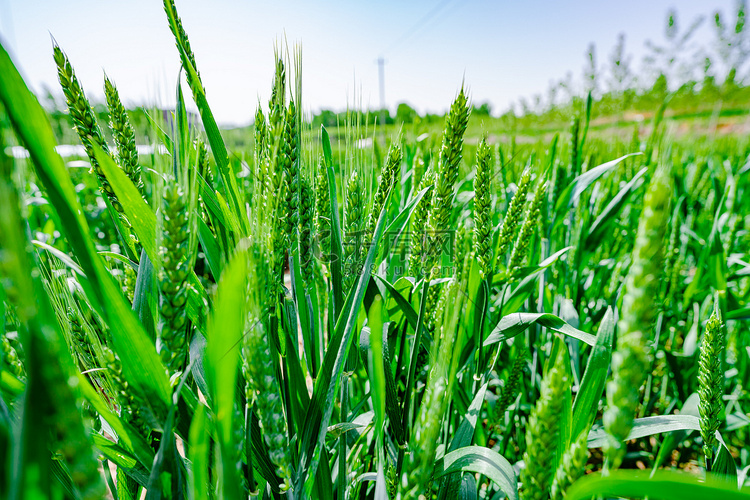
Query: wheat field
[{"x": 336, "y": 316}]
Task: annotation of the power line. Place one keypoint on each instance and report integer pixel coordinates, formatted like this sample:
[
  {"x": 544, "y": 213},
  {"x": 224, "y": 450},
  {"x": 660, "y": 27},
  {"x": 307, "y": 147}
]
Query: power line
[
  {"x": 418, "y": 25},
  {"x": 430, "y": 16}
]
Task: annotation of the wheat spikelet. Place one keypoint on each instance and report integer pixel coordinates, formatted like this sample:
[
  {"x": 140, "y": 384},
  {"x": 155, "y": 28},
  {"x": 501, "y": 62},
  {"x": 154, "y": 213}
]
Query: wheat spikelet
[
  {"x": 512, "y": 219},
  {"x": 277, "y": 103},
  {"x": 181, "y": 38},
  {"x": 510, "y": 389},
  {"x": 542, "y": 432},
  {"x": 261, "y": 136},
  {"x": 353, "y": 227},
  {"x": 575, "y": 128},
  {"x": 630, "y": 361},
  {"x": 571, "y": 468},
  {"x": 305, "y": 240},
  {"x": 419, "y": 222},
  {"x": 89, "y": 132},
  {"x": 172, "y": 276},
  {"x": 83, "y": 118},
  {"x": 127, "y": 155},
  {"x": 9, "y": 358},
  {"x": 263, "y": 390},
  {"x": 78, "y": 333},
  {"x": 529, "y": 227},
  {"x": 483, "y": 208},
  {"x": 289, "y": 158},
  {"x": 711, "y": 383},
  {"x": 323, "y": 211},
  {"x": 445, "y": 177},
  {"x": 387, "y": 180}
]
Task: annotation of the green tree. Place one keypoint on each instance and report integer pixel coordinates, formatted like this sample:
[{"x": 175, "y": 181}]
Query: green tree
[{"x": 405, "y": 113}]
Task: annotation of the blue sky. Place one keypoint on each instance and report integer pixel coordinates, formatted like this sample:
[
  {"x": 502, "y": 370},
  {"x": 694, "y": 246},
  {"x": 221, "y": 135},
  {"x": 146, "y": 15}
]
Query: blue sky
[{"x": 503, "y": 49}]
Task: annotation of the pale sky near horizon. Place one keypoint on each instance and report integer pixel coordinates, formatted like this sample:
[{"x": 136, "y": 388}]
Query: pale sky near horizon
[{"x": 503, "y": 50}]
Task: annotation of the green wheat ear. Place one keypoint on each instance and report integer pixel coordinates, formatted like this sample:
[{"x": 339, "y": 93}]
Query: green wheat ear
[
  {"x": 290, "y": 162},
  {"x": 305, "y": 240},
  {"x": 353, "y": 226},
  {"x": 512, "y": 219},
  {"x": 418, "y": 241},
  {"x": 711, "y": 383},
  {"x": 83, "y": 118},
  {"x": 277, "y": 103},
  {"x": 542, "y": 433},
  {"x": 261, "y": 136},
  {"x": 172, "y": 276},
  {"x": 181, "y": 37},
  {"x": 445, "y": 177},
  {"x": 483, "y": 209},
  {"x": 88, "y": 131},
  {"x": 262, "y": 388},
  {"x": 510, "y": 389},
  {"x": 323, "y": 211},
  {"x": 127, "y": 155},
  {"x": 571, "y": 468},
  {"x": 9, "y": 358},
  {"x": 387, "y": 180},
  {"x": 630, "y": 360},
  {"x": 530, "y": 225}
]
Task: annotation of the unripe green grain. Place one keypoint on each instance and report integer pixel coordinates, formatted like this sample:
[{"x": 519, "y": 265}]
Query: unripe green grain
[
  {"x": 571, "y": 468},
  {"x": 290, "y": 156},
  {"x": 630, "y": 361},
  {"x": 78, "y": 333},
  {"x": 277, "y": 103},
  {"x": 181, "y": 38},
  {"x": 542, "y": 433},
  {"x": 83, "y": 117},
  {"x": 89, "y": 132},
  {"x": 387, "y": 180},
  {"x": 305, "y": 240},
  {"x": 419, "y": 222},
  {"x": 446, "y": 176},
  {"x": 122, "y": 130},
  {"x": 172, "y": 276},
  {"x": 512, "y": 219},
  {"x": 128, "y": 283},
  {"x": 263, "y": 389},
  {"x": 483, "y": 209},
  {"x": 558, "y": 183},
  {"x": 323, "y": 210},
  {"x": 462, "y": 250},
  {"x": 711, "y": 384},
  {"x": 528, "y": 229},
  {"x": 575, "y": 128},
  {"x": 418, "y": 169},
  {"x": 510, "y": 389},
  {"x": 261, "y": 136},
  {"x": 353, "y": 224},
  {"x": 9, "y": 358}
]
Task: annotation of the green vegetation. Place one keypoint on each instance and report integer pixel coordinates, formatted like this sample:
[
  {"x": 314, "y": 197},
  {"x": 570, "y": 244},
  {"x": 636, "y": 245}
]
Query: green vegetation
[{"x": 448, "y": 316}]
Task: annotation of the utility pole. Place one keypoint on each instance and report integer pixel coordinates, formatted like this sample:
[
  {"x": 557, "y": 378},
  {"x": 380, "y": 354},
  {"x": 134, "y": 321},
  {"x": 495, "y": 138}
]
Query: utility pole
[{"x": 381, "y": 78}]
